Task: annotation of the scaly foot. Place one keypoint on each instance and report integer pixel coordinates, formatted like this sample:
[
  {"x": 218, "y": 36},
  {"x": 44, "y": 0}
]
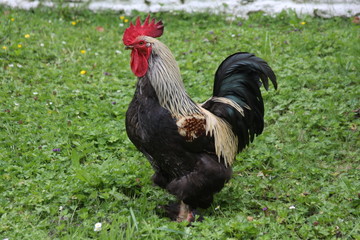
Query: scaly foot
[{"x": 185, "y": 213}]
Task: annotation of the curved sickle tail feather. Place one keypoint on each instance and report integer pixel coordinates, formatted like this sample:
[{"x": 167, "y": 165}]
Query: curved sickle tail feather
[{"x": 237, "y": 97}]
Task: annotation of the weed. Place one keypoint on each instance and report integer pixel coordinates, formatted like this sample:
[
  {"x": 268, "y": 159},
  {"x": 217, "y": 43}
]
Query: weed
[{"x": 67, "y": 164}]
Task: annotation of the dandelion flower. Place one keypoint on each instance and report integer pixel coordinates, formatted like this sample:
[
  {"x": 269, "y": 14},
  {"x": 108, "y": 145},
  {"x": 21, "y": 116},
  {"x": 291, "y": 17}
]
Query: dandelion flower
[
  {"x": 19, "y": 46},
  {"x": 12, "y": 19},
  {"x": 83, "y": 51},
  {"x": 73, "y": 23},
  {"x": 83, "y": 72},
  {"x": 4, "y": 47},
  {"x": 122, "y": 17},
  {"x": 27, "y": 35},
  {"x": 97, "y": 227},
  {"x": 303, "y": 23},
  {"x": 126, "y": 20}
]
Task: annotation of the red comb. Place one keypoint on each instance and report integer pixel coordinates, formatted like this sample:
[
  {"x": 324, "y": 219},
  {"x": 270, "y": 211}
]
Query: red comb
[{"x": 151, "y": 29}]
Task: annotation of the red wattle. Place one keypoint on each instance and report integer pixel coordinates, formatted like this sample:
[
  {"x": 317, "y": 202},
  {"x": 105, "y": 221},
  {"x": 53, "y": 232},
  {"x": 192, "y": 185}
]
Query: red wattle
[{"x": 139, "y": 63}]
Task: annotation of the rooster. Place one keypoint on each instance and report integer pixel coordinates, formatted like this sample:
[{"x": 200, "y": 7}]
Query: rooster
[{"x": 191, "y": 146}]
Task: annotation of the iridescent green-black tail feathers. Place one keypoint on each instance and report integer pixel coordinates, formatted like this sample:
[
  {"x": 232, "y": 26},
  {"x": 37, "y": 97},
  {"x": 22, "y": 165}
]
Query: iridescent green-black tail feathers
[{"x": 239, "y": 78}]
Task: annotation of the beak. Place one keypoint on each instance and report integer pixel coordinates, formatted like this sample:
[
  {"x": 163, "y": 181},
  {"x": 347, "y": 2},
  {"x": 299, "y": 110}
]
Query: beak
[{"x": 129, "y": 47}]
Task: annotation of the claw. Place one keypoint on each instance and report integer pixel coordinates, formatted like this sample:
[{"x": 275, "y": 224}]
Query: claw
[
  {"x": 179, "y": 212},
  {"x": 190, "y": 217},
  {"x": 183, "y": 212}
]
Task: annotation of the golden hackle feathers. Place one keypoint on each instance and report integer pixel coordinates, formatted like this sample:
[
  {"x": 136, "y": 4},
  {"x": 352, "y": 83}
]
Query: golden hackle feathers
[
  {"x": 164, "y": 75},
  {"x": 226, "y": 141}
]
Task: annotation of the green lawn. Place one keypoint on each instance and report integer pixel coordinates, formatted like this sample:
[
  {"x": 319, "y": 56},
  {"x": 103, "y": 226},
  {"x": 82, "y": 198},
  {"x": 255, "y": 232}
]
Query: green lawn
[{"x": 67, "y": 164}]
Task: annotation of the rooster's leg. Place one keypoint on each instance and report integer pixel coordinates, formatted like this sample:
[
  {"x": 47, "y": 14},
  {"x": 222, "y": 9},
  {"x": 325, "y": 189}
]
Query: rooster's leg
[{"x": 185, "y": 213}]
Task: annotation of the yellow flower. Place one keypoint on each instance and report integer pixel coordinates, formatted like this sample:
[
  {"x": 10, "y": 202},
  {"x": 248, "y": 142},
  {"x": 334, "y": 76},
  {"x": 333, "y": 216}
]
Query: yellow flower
[
  {"x": 19, "y": 46},
  {"x": 83, "y": 72},
  {"x": 4, "y": 47},
  {"x": 303, "y": 23},
  {"x": 27, "y": 35},
  {"x": 122, "y": 17},
  {"x": 83, "y": 51},
  {"x": 126, "y": 20},
  {"x": 12, "y": 19},
  {"x": 73, "y": 23}
]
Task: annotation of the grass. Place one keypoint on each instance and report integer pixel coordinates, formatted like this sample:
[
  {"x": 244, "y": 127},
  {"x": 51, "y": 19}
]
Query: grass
[{"x": 66, "y": 162}]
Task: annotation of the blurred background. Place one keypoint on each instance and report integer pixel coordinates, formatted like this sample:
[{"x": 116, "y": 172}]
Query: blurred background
[{"x": 239, "y": 8}]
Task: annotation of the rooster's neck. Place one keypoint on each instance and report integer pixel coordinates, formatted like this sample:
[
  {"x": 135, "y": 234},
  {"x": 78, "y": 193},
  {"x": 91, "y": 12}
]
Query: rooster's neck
[{"x": 165, "y": 77}]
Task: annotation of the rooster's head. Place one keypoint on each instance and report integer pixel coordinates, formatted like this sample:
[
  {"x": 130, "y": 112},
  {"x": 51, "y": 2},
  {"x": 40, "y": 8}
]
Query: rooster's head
[{"x": 136, "y": 38}]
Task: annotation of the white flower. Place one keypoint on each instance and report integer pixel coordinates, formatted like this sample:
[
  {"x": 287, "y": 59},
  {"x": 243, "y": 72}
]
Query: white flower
[
  {"x": 19, "y": 65},
  {"x": 97, "y": 227},
  {"x": 41, "y": 45},
  {"x": 117, "y": 51},
  {"x": 121, "y": 25},
  {"x": 232, "y": 35},
  {"x": 35, "y": 93},
  {"x": 16, "y": 104},
  {"x": 61, "y": 208},
  {"x": 11, "y": 65},
  {"x": 217, "y": 208},
  {"x": 292, "y": 207},
  {"x": 63, "y": 42}
]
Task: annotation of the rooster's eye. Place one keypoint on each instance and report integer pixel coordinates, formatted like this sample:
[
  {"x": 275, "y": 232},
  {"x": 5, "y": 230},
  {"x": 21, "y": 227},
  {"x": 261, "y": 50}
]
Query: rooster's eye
[{"x": 141, "y": 43}]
